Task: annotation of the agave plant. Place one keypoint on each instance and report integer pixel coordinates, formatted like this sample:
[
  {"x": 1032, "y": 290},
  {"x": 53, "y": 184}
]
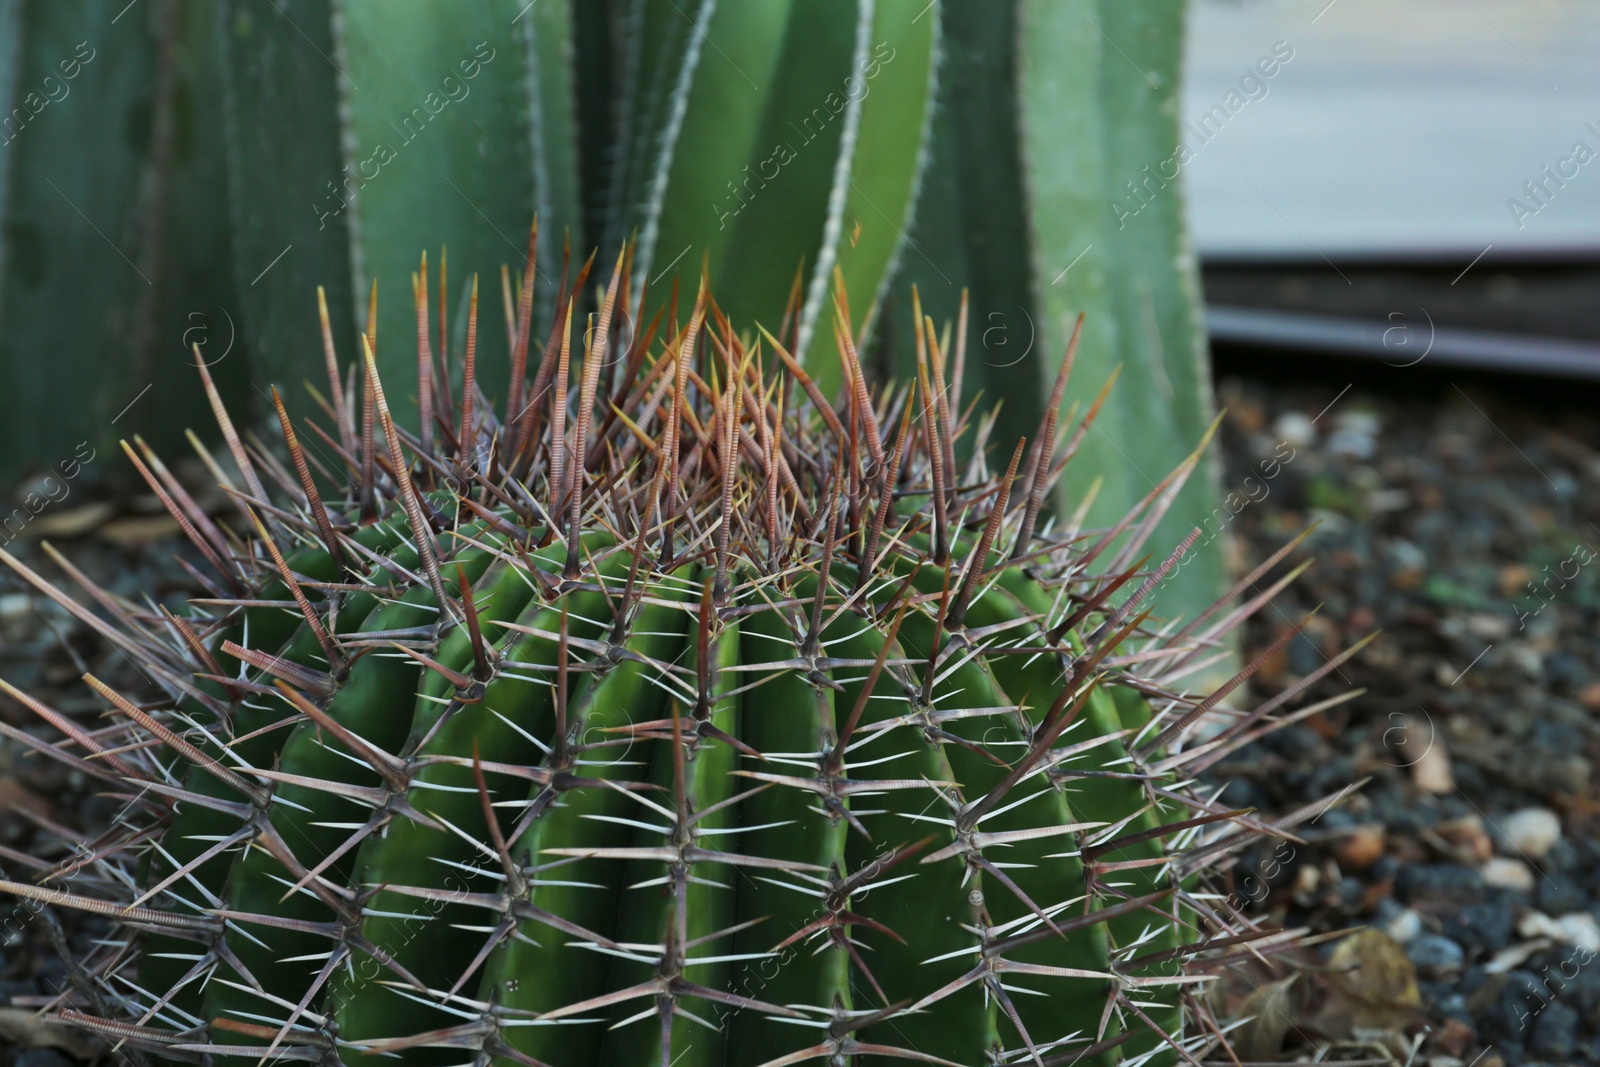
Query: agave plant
[
  {"x": 680, "y": 714},
  {"x": 978, "y": 145}
]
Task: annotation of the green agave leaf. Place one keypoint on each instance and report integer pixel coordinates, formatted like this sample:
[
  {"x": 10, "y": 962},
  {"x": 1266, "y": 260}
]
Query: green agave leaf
[
  {"x": 361, "y": 139},
  {"x": 1141, "y": 278},
  {"x": 880, "y": 186},
  {"x": 762, "y": 139},
  {"x": 972, "y": 225},
  {"x": 110, "y": 229},
  {"x": 1046, "y": 110}
]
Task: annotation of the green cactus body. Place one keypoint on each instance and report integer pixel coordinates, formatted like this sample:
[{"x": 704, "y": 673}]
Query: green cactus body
[{"x": 760, "y": 736}]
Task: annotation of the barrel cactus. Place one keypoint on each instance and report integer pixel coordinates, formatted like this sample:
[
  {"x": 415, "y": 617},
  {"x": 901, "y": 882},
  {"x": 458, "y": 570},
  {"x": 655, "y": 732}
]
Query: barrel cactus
[{"x": 681, "y": 714}]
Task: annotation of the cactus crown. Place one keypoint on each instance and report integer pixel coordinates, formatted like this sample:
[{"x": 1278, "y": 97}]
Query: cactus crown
[{"x": 681, "y": 715}]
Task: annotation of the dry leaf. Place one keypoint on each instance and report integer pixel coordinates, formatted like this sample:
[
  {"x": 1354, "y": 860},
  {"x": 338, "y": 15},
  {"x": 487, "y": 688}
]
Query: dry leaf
[
  {"x": 1274, "y": 1009},
  {"x": 72, "y": 522},
  {"x": 1375, "y": 981},
  {"x": 132, "y": 531}
]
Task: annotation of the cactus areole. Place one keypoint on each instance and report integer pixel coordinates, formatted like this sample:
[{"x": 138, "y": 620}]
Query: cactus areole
[{"x": 667, "y": 712}]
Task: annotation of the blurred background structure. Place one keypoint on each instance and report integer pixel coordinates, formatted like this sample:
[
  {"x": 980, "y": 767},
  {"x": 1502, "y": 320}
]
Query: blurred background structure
[
  {"x": 1399, "y": 130},
  {"x": 1416, "y": 170}
]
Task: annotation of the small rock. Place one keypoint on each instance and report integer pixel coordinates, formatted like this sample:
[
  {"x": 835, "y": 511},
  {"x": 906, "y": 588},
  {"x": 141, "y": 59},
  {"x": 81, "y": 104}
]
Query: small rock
[
  {"x": 1584, "y": 990},
  {"x": 1455, "y": 1036},
  {"x": 1489, "y": 627},
  {"x": 1245, "y": 413},
  {"x": 1555, "y": 1033},
  {"x": 1526, "y": 658},
  {"x": 1557, "y": 894},
  {"x": 1357, "y": 421},
  {"x": 1483, "y": 927},
  {"x": 1513, "y": 956},
  {"x": 1360, "y": 849},
  {"x": 1531, "y": 831},
  {"x": 1406, "y": 556},
  {"x": 1441, "y": 881},
  {"x": 1351, "y": 443},
  {"x": 1388, "y": 500},
  {"x": 1405, "y": 927},
  {"x": 1577, "y": 928},
  {"x": 1589, "y": 696},
  {"x": 1240, "y": 793},
  {"x": 1295, "y": 428},
  {"x": 1583, "y": 930},
  {"x": 1516, "y": 1004},
  {"x": 1435, "y": 956},
  {"x": 1432, "y": 772},
  {"x": 1507, "y": 873},
  {"x": 1567, "y": 673},
  {"x": 1466, "y": 838},
  {"x": 15, "y": 606},
  {"x": 1514, "y": 578}
]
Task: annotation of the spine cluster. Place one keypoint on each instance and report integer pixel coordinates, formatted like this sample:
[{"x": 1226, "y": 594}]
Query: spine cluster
[{"x": 680, "y": 714}]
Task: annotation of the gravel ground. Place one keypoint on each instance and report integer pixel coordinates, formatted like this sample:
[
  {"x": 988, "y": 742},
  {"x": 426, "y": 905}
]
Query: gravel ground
[
  {"x": 45, "y": 652},
  {"x": 1467, "y": 531},
  {"x": 1470, "y": 851}
]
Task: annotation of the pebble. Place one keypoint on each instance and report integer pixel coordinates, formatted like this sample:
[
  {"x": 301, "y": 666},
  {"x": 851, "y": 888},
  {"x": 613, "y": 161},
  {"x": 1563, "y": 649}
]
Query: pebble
[
  {"x": 1577, "y": 928},
  {"x": 1526, "y": 659},
  {"x": 1563, "y": 483},
  {"x": 1405, "y": 927},
  {"x": 1567, "y": 673},
  {"x": 1357, "y": 421},
  {"x": 1520, "y": 997},
  {"x": 1454, "y": 1037},
  {"x": 1296, "y": 428},
  {"x": 1406, "y": 556},
  {"x": 1558, "y": 894},
  {"x": 1388, "y": 500},
  {"x": 1531, "y": 831},
  {"x": 1447, "y": 880},
  {"x": 1555, "y": 1033},
  {"x": 1435, "y": 956},
  {"x": 15, "y": 606},
  {"x": 1432, "y": 773},
  {"x": 1466, "y": 837},
  {"x": 1355, "y": 435},
  {"x": 1584, "y": 991},
  {"x": 1352, "y": 443},
  {"x": 1484, "y": 925},
  {"x": 1508, "y": 874},
  {"x": 1489, "y": 627},
  {"x": 1360, "y": 848}
]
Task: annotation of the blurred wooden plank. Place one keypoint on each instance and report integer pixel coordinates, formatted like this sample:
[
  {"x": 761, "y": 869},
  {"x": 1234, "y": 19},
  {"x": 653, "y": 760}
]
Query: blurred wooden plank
[{"x": 1397, "y": 128}]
